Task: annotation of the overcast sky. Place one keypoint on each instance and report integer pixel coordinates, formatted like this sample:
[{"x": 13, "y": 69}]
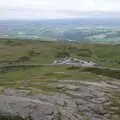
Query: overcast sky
[{"x": 43, "y": 9}]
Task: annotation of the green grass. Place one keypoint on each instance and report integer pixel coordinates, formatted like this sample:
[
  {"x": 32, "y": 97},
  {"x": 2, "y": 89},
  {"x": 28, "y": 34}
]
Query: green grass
[
  {"x": 43, "y": 72},
  {"x": 46, "y": 52},
  {"x": 105, "y": 72},
  {"x": 114, "y": 107},
  {"x": 39, "y": 77},
  {"x": 116, "y": 103},
  {"x": 44, "y": 88},
  {"x": 7, "y": 117}
]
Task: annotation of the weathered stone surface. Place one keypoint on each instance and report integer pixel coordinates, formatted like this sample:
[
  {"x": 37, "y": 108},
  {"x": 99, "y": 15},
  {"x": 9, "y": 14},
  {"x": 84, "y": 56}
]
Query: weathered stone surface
[
  {"x": 98, "y": 108},
  {"x": 74, "y": 61},
  {"x": 75, "y": 102},
  {"x": 15, "y": 92},
  {"x": 26, "y": 108}
]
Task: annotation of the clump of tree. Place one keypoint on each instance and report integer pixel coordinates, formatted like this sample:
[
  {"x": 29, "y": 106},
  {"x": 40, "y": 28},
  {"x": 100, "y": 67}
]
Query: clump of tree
[
  {"x": 73, "y": 49},
  {"x": 62, "y": 54},
  {"x": 8, "y": 117},
  {"x": 19, "y": 60},
  {"x": 13, "y": 42},
  {"x": 80, "y": 52},
  {"x": 8, "y": 42},
  {"x": 105, "y": 72},
  {"x": 33, "y": 53},
  {"x": 24, "y": 59},
  {"x": 85, "y": 53}
]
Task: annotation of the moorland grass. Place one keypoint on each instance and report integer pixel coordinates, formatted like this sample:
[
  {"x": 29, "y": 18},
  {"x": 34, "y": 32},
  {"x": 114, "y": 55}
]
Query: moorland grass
[{"x": 46, "y": 52}]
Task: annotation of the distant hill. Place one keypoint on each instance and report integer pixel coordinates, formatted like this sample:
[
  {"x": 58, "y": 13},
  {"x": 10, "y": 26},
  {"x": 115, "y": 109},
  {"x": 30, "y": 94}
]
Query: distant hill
[{"x": 79, "y": 30}]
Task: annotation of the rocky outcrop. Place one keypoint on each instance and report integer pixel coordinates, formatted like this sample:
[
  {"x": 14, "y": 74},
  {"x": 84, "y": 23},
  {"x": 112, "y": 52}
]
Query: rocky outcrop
[
  {"x": 74, "y": 61},
  {"x": 27, "y": 108},
  {"x": 75, "y": 100}
]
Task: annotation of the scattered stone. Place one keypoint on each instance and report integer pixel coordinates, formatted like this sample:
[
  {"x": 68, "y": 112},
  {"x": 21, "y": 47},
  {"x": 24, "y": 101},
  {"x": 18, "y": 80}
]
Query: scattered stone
[
  {"x": 98, "y": 108},
  {"x": 74, "y": 61},
  {"x": 15, "y": 92},
  {"x": 61, "y": 102},
  {"x": 100, "y": 100}
]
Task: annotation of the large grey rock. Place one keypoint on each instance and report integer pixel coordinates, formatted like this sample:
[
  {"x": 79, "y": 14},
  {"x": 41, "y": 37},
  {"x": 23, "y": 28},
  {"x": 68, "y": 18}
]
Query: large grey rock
[
  {"x": 27, "y": 108},
  {"x": 74, "y": 61},
  {"x": 15, "y": 92},
  {"x": 98, "y": 108}
]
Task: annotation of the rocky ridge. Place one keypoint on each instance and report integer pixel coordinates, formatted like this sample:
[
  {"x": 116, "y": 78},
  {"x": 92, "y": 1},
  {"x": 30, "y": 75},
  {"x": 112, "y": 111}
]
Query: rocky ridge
[{"x": 75, "y": 100}]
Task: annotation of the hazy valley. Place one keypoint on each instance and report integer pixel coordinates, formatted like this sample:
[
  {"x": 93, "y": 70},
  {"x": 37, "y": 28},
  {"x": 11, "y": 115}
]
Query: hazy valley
[{"x": 76, "y": 30}]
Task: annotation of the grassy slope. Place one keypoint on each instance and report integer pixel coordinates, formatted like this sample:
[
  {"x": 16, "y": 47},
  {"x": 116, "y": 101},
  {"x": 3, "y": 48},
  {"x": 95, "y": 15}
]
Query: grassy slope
[
  {"x": 47, "y": 52},
  {"x": 38, "y": 78}
]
